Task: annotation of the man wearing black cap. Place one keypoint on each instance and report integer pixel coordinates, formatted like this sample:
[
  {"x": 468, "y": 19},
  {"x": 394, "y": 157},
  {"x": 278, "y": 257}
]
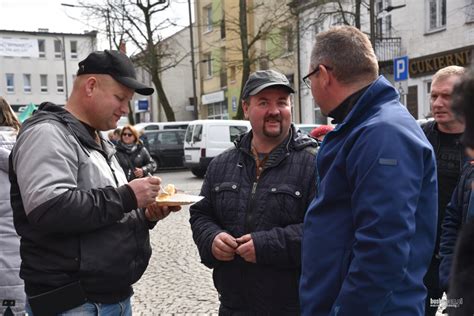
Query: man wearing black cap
[
  {"x": 248, "y": 226},
  {"x": 84, "y": 229}
]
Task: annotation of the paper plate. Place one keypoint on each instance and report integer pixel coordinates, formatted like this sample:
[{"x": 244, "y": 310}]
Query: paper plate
[{"x": 181, "y": 199}]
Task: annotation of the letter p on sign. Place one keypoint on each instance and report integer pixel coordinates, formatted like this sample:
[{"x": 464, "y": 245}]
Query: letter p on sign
[{"x": 400, "y": 68}]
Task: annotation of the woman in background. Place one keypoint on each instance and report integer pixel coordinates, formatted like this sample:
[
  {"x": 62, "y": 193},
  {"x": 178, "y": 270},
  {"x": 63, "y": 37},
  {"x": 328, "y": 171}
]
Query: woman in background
[
  {"x": 11, "y": 286},
  {"x": 133, "y": 156}
]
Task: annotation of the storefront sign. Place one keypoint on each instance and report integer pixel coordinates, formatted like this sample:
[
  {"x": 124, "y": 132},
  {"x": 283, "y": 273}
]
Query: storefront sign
[
  {"x": 429, "y": 64},
  {"x": 213, "y": 97}
]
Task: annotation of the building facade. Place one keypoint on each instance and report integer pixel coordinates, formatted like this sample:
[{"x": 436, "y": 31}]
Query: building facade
[
  {"x": 40, "y": 66},
  {"x": 270, "y": 43},
  {"x": 176, "y": 78},
  {"x": 431, "y": 33}
]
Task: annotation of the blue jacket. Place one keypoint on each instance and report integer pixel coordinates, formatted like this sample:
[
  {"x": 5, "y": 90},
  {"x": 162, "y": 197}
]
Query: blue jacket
[
  {"x": 458, "y": 211},
  {"x": 369, "y": 233}
]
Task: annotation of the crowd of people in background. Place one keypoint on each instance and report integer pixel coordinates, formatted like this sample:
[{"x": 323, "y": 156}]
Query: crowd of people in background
[{"x": 370, "y": 215}]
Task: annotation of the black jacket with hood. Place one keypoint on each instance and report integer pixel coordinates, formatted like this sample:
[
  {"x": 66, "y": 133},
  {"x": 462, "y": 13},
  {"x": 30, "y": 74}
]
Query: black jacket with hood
[
  {"x": 271, "y": 209},
  {"x": 77, "y": 218}
]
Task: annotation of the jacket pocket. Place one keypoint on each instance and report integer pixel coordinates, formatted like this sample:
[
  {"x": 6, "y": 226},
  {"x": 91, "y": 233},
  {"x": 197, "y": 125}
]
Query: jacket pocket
[
  {"x": 288, "y": 199},
  {"x": 227, "y": 202}
]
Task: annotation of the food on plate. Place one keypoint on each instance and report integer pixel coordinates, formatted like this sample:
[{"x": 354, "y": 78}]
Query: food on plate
[{"x": 168, "y": 191}]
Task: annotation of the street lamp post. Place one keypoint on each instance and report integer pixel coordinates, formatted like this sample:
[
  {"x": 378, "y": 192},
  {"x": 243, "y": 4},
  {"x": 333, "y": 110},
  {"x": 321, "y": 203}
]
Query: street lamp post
[{"x": 107, "y": 18}]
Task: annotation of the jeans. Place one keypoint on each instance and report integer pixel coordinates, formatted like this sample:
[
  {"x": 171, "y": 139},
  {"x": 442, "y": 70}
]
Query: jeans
[{"x": 123, "y": 308}]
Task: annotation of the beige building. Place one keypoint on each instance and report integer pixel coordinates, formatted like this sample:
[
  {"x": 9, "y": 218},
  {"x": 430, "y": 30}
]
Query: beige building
[{"x": 220, "y": 63}]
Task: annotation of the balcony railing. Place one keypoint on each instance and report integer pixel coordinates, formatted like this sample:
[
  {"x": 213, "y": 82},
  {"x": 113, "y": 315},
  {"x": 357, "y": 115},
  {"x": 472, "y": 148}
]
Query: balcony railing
[{"x": 388, "y": 48}]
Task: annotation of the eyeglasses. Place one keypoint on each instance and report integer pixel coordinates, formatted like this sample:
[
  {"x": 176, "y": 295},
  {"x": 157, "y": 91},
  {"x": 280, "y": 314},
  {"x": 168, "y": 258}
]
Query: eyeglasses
[
  {"x": 127, "y": 134},
  {"x": 307, "y": 80}
]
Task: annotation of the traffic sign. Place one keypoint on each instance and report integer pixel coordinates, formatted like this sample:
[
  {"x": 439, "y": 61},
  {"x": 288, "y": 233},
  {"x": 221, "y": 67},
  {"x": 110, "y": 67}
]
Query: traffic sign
[{"x": 400, "y": 68}]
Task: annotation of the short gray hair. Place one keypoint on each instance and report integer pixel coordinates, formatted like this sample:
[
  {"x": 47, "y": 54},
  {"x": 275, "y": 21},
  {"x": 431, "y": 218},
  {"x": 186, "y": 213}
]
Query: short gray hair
[
  {"x": 446, "y": 72},
  {"x": 348, "y": 52}
]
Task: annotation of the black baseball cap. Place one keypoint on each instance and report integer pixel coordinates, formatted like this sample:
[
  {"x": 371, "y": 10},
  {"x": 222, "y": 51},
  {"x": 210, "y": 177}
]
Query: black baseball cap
[
  {"x": 262, "y": 79},
  {"x": 115, "y": 64}
]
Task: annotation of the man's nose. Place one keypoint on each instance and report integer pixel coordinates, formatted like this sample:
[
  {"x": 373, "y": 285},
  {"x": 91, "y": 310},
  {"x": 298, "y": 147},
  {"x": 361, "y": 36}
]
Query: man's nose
[{"x": 124, "y": 108}]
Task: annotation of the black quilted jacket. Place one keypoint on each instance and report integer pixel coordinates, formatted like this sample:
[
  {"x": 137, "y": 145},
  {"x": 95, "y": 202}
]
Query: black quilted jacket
[{"x": 272, "y": 210}]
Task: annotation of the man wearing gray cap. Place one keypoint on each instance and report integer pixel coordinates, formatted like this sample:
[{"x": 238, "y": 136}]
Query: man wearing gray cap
[
  {"x": 248, "y": 227},
  {"x": 84, "y": 229}
]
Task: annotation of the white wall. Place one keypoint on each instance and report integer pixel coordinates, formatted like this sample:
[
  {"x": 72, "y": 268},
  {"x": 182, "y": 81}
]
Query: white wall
[{"x": 49, "y": 65}]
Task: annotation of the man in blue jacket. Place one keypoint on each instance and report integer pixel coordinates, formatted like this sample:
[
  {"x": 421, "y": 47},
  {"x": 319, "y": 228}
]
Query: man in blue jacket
[{"x": 370, "y": 231}]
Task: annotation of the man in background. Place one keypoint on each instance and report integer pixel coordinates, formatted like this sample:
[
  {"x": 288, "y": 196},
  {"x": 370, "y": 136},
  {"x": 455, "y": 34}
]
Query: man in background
[{"x": 444, "y": 134}]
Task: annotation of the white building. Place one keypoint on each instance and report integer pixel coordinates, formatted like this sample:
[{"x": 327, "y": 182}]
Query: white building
[
  {"x": 37, "y": 67},
  {"x": 432, "y": 33},
  {"x": 176, "y": 78}
]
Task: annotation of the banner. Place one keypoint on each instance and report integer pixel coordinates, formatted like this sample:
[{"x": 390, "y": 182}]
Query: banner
[
  {"x": 27, "y": 112},
  {"x": 16, "y": 47}
]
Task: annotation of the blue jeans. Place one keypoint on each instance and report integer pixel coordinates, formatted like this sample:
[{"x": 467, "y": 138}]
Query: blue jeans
[{"x": 123, "y": 308}]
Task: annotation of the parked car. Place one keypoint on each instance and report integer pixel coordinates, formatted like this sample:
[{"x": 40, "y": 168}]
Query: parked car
[
  {"x": 206, "y": 139},
  {"x": 166, "y": 147},
  {"x": 153, "y": 126},
  {"x": 306, "y": 128}
]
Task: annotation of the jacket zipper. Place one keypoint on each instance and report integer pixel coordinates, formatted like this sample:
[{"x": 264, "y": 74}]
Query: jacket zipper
[{"x": 249, "y": 219}]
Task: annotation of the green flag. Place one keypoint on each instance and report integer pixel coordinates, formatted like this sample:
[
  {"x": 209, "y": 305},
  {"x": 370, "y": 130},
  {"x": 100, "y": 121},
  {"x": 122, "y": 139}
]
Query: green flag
[{"x": 27, "y": 112}]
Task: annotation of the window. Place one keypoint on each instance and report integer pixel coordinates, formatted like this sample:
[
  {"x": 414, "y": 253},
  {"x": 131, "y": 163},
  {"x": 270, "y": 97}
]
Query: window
[
  {"x": 168, "y": 138},
  {"x": 469, "y": 11},
  {"x": 208, "y": 63},
  {"x": 57, "y": 49},
  {"x": 436, "y": 14},
  {"x": 60, "y": 83},
  {"x": 10, "y": 82},
  {"x": 42, "y": 48},
  {"x": 73, "y": 49},
  {"x": 27, "y": 83},
  {"x": 208, "y": 18},
  {"x": 44, "y": 83},
  {"x": 232, "y": 74},
  {"x": 288, "y": 38},
  {"x": 235, "y": 131}
]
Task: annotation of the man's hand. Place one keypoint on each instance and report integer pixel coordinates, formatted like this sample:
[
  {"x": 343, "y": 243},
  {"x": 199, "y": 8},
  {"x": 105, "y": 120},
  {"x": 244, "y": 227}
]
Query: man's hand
[
  {"x": 138, "y": 172},
  {"x": 145, "y": 189},
  {"x": 154, "y": 212},
  {"x": 246, "y": 248},
  {"x": 223, "y": 247}
]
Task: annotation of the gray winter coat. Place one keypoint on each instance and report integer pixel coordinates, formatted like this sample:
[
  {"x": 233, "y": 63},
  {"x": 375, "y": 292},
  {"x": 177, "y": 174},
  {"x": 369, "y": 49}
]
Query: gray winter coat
[{"x": 11, "y": 286}]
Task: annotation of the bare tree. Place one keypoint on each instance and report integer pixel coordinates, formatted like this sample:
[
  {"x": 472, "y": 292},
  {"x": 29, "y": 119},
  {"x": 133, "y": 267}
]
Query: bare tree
[
  {"x": 141, "y": 22},
  {"x": 273, "y": 19}
]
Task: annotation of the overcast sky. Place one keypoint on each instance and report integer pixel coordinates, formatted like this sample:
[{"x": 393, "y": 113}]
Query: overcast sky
[{"x": 30, "y": 15}]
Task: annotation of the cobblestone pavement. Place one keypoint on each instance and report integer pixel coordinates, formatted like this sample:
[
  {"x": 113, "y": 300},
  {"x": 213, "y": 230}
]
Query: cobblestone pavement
[{"x": 175, "y": 282}]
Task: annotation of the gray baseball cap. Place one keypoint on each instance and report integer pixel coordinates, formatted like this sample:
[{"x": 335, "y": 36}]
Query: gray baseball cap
[{"x": 263, "y": 79}]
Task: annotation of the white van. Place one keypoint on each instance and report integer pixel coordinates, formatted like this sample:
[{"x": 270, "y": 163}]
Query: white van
[
  {"x": 206, "y": 139},
  {"x": 153, "y": 126}
]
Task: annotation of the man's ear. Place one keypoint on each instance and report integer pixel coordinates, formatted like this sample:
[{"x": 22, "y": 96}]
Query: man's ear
[
  {"x": 90, "y": 85},
  {"x": 245, "y": 107}
]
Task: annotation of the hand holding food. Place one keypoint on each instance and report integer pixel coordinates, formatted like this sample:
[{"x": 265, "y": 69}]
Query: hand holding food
[
  {"x": 166, "y": 192},
  {"x": 145, "y": 190}
]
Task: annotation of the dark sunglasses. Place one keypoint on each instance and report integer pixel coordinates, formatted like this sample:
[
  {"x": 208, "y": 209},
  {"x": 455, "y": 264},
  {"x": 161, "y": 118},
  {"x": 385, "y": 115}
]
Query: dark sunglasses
[{"x": 127, "y": 134}]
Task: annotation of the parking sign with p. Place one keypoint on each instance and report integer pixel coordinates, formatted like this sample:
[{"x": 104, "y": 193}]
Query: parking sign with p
[{"x": 400, "y": 68}]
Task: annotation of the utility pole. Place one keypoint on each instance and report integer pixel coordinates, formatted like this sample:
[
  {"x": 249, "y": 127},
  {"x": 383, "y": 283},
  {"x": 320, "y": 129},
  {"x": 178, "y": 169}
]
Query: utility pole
[{"x": 193, "y": 68}]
